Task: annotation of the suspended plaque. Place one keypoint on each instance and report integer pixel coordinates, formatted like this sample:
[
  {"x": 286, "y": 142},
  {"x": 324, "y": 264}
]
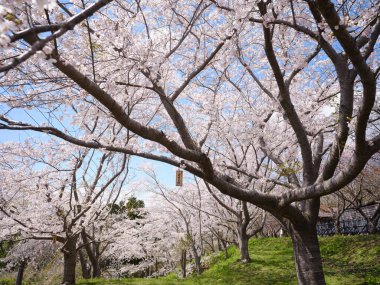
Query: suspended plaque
[{"x": 179, "y": 178}]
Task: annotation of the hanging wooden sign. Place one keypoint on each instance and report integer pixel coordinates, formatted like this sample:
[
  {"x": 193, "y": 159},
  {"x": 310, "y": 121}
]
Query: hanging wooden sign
[{"x": 179, "y": 178}]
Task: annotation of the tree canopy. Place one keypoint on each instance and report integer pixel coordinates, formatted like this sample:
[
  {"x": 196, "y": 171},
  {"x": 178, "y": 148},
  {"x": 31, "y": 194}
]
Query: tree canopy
[{"x": 273, "y": 103}]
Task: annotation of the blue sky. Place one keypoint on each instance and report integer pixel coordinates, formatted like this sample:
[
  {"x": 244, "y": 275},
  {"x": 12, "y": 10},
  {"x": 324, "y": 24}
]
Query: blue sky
[{"x": 164, "y": 172}]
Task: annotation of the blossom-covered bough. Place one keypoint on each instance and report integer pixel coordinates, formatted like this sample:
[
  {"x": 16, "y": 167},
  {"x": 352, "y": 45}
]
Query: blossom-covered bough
[{"x": 289, "y": 85}]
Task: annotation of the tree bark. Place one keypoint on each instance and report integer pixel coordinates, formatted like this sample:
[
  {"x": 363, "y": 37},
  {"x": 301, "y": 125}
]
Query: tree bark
[
  {"x": 243, "y": 245},
  {"x": 372, "y": 226},
  {"x": 69, "y": 261},
  {"x": 97, "y": 271},
  {"x": 20, "y": 272},
  {"x": 376, "y": 218},
  {"x": 197, "y": 259},
  {"x": 156, "y": 267},
  {"x": 338, "y": 228},
  {"x": 243, "y": 223},
  {"x": 183, "y": 263},
  {"x": 225, "y": 247},
  {"x": 219, "y": 244},
  {"x": 92, "y": 254},
  {"x": 307, "y": 255},
  {"x": 86, "y": 270}
]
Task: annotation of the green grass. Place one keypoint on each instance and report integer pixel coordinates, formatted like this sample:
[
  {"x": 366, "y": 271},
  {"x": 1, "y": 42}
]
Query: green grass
[
  {"x": 346, "y": 259},
  {"x": 353, "y": 260}
]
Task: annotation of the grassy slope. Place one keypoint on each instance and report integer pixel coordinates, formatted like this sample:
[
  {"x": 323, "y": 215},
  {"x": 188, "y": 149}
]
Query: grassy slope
[{"x": 347, "y": 260}]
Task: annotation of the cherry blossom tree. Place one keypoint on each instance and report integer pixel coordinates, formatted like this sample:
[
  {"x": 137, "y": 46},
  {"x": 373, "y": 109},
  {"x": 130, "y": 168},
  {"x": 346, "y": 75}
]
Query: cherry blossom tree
[
  {"x": 34, "y": 254},
  {"x": 152, "y": 242},
  {"x": 285, "y": 83},
  {"x": 189, "y": 219},
  {"x": 244, "y": 220},
  {"x": 96, "y": 238},
  {"x": 198, "y": 206},
  {"x": 54, "y": 193}
]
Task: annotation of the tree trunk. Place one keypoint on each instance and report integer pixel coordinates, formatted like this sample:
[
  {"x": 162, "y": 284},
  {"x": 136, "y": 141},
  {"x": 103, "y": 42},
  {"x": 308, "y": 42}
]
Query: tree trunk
[
  {"x": 307, "y": 255},
  {"x": 197, "y": 259},
  {"x": 338, "y": 229},
  {"x": 243, "y": 245},
  {"x": 96, "y": 272},
  {"x": 96, "y": 265},
  {"x": 156, "y": 267},
  {"x": 224, "y": 243},
  {"x": 376, "y": 218},
  {"x": 219, "y": 244},
  {"x": 92, "y": 253},
  {"x": 374, "y": 221},
  {"x": 183, "y": 263},
  {"x": 372, "y": 226},
  {"x": 86, "y": 270},
  {"x": 242, "y": 233},
  {"x": 20, "y": 272},
  {"x": 69, "y": 261}
]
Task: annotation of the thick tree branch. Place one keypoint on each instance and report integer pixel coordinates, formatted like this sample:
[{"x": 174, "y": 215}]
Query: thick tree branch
[
  {"x": 287, "y": 105},
  {"x": 12, "y": 125},
  {"x": 367, "y": 76}
]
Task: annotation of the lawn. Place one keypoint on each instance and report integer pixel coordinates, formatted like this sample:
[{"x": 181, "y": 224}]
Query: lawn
[
  {"x": 353, "y": 260},
  {"x": 346, "y": 259}
]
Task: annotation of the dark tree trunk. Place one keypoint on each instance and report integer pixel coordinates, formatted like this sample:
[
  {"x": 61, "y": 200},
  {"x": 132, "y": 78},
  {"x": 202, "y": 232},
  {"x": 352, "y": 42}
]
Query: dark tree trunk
[
  {"x": 219, "y": 244},
  {"x": 374, "y": 221},
  {"x": 307, "y": 255},
  {"x": 212, "y": 246},
  {"x": 338, "y": 229},
  {"x": 92, "y": 253},
  {"x": 242, "y": 233},
  {"x": 96, "y": 271},
  {"x": 96, "y": 265},
  {"x": 20, "y": 272},
  {"x": 243, "y": 245},
  {"x": 197, "y": 259},
  {"x": 372, "y": 226},
  {"x": 225, "y": 247},
  {"x": 376, "y": 218},
  {"x": 86, "y": 270},
  {"x": 183, "y": 263},
  {"x": 69, "y": 261},
  {"x": 156, "y": 267}
]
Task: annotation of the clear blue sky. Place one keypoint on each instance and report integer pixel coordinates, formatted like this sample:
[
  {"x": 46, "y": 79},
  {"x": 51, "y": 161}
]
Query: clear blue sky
[{"x": 165, "y": 172}]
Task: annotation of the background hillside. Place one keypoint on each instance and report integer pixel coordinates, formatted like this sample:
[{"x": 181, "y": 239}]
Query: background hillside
[{"x": 346, "y": 259}]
